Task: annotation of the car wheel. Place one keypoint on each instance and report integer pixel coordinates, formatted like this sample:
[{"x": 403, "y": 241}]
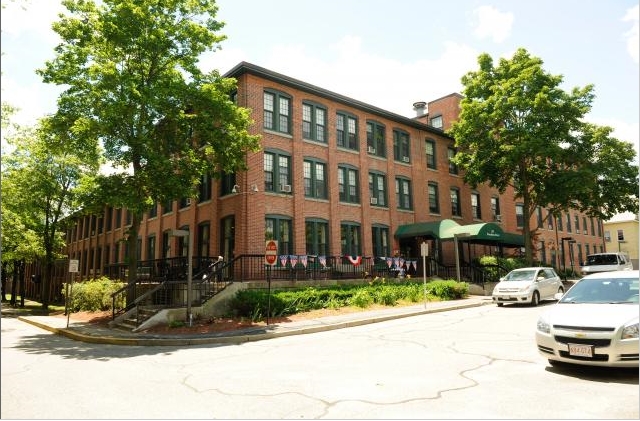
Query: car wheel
[
  {"x": 500, "y": 304},
  {"x": 560, "y": 290},
  {"x": 535, "y": 298}
]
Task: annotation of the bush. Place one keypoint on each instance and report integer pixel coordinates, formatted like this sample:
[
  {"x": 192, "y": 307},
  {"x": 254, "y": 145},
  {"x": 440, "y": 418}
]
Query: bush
[
  {"x": 93, "y": 294},
  {"x": 254, "y": 303},
  {"x": 448, "y": 290},
  {"x": 361, "y": 298}
]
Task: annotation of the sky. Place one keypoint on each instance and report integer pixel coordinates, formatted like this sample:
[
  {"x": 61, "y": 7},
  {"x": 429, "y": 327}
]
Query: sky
[{"x": 387, "y": 53}]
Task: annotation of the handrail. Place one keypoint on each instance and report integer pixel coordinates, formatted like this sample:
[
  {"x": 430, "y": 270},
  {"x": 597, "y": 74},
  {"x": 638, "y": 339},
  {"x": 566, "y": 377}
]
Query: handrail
[{"x": 170, "y": 283}]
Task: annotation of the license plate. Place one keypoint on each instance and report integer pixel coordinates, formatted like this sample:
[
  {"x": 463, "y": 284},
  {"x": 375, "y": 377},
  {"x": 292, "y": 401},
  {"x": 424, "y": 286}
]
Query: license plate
[{"x": 581, "y": 350}]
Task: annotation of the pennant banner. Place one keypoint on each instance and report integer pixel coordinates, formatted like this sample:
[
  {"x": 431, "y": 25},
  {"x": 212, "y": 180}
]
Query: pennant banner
[
  {"x": 355, "y": 260},
  {"x": 294, "y": 260}
]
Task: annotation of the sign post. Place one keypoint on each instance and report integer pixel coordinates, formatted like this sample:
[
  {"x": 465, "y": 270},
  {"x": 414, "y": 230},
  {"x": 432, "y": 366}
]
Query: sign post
[
  {"x": 73, "y": 269},
  {"x": 270, "y": 259},
  {"x": 424, "y": 251}
]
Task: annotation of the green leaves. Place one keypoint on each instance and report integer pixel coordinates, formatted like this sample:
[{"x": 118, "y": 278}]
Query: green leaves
[
  {"x": 517, "y": 128},
  {"x": 133, "y": 86}
]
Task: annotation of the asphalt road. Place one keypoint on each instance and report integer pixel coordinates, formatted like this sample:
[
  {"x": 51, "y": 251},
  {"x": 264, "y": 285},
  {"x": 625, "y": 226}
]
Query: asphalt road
[{"x": 476, "y": 363}]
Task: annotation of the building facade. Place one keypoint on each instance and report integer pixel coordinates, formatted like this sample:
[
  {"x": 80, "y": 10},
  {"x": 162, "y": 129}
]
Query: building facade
[
  {"x": 337, "y": 177},
  {"x": 621, "y": 234}
]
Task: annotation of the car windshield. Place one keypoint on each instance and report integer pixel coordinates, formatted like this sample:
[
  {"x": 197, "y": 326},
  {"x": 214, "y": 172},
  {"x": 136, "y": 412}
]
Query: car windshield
[
  {"x": 602, "y": 259},
  {"x": 604, "y": 290},
  {"x": 521, "y": 275}
]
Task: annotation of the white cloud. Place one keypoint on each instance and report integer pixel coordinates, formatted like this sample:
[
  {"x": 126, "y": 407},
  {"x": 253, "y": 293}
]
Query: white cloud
[
  {"x": 32, "y": 17},
  {"x": 632, "y": 34},
  {"x": 389, "y": 84},
  {"x": 491, "y": 23}
]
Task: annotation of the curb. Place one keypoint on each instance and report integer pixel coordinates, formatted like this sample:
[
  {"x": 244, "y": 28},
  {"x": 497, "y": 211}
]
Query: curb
[{"x": 239, "y": 337}]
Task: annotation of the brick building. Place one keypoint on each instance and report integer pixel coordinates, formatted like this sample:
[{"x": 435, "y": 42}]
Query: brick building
[{"x": 337, "y": 177}]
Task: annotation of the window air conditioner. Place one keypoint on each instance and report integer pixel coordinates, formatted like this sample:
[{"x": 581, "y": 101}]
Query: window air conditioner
[
  {"x": 371, "y": 149},
  {"x": 405, "y": 159},
  {"x": 498, "y": 218},
  {"x": 374, "y": 200},
  {"x": 285, "y": 188},
  {"x": 187, "y": 202}
]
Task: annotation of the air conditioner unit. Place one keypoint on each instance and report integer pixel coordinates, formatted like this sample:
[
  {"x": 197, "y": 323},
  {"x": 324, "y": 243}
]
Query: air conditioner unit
[
  {"x": 374, "y": 200},
  {"x": 187, "y": 202},
  {"x": 285, "y": 188},
  {"x": 498, "y": 218},
  {"x": 405, "y": 159},
  {"x": 371, "y": 149}
]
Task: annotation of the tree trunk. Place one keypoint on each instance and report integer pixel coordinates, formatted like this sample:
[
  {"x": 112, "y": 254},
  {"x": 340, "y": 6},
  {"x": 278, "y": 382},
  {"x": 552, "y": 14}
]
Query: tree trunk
[{"x": 132, "y": 262}]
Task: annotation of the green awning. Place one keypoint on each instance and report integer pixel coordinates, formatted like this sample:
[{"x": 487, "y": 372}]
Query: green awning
[
  {"x": 435, "y": 229},
  {"x": 483, "y": 233},
  {"x": 486, "y": 233}
]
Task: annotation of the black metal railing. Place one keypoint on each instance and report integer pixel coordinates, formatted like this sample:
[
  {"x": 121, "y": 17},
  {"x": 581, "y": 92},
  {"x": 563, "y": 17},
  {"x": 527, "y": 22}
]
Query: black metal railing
[
  {"x": 167, "y": 286},
  {"x": 163, "y": 282}
]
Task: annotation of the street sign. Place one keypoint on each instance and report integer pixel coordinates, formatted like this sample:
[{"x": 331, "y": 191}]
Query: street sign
[
  {"x": 73, "y": 266},
  {"x": 424, "y": 249},
  {"x": 271, "y": 252}
]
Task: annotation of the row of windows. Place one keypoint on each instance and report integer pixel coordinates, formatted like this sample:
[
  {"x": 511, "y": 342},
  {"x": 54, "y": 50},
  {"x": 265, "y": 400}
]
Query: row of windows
[
  {"x": 554, "y": 255},
  {"x": 317, "y": 241},
  {"x": 620, "y": 233},
  {"x": 579, "y": 228},
  {"x": 277, "y": 117}
]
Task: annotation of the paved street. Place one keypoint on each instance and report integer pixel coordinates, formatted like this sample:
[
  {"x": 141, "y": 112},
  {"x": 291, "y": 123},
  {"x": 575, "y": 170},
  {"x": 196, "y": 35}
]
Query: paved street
[{"x": 471, "y": 363}]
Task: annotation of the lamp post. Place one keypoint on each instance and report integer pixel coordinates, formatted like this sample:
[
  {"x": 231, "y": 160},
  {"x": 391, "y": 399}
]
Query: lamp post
[
  {"x": 457, "y": 253},
  {"x": 564, "y": 259},
  {"x": 185, "y": 234}
]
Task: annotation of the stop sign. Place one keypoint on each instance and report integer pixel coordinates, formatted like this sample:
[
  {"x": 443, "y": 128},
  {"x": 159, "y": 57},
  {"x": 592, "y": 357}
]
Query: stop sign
[{"x": 271, "y": 252}]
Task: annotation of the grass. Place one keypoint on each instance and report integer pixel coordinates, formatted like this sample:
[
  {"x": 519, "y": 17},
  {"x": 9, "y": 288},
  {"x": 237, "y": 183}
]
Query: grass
[{"x": 31, "y": 308}]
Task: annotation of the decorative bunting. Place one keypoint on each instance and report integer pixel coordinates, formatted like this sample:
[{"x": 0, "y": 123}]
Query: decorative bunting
[
  {"x": 283, "y": 259},
  {"x": 303, "y": 260},
  {"x": 323, "y": 261},
  {"x": 294, "y": 260},
  {"x": 389, "y": 261},
  {"x": 355, "y": 260}
]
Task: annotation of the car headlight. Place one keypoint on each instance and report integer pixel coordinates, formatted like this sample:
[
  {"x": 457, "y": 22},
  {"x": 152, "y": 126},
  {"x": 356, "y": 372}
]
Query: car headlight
[
  {"x": 544, "y": 327},
  {"x": 630, "y": 331}
]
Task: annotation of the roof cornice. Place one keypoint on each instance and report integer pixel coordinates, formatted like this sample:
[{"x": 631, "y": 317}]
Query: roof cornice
[{"x": 245, "y": 67}]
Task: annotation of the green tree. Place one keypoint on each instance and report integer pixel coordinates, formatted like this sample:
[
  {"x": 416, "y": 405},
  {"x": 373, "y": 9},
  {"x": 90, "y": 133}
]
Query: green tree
[
  {"x": 517, "y": 128},
  {"x": 131, "y": 67},
  {"x": 42, "y": 176}
]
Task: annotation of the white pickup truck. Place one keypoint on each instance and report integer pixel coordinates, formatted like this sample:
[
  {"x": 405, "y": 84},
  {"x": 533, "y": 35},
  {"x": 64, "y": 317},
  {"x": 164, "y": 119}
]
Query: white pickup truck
[{"x": 606, "y": 262}]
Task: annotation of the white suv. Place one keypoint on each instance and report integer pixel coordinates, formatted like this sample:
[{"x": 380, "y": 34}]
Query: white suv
[{"x": 606, "y": 262}]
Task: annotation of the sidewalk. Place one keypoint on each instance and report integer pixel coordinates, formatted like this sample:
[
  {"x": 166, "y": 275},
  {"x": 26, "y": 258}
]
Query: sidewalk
[{"x": 86, "y": 332}]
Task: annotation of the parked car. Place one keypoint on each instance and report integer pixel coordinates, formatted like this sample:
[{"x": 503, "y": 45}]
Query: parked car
[
  {"x": 527, "y": 285},
  {"x": 594, "y": 323},
  {"x": 606, "y": 262}
]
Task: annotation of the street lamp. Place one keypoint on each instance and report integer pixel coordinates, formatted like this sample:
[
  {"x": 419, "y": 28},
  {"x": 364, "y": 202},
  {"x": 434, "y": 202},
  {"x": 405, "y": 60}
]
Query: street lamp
[
  {"x": 185, "y": 234},
  {"x": 457, "y": 253},
  {"x": 564, "y": 259}
]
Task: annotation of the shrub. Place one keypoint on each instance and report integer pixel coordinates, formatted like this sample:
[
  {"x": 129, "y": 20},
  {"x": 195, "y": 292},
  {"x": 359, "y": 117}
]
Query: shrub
[
  {"x": 362, "y": 298},
  {"x": 93, "y": 294},
  {"x": 254, "y": 303},
  {"x": 448, "y": 290}
]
